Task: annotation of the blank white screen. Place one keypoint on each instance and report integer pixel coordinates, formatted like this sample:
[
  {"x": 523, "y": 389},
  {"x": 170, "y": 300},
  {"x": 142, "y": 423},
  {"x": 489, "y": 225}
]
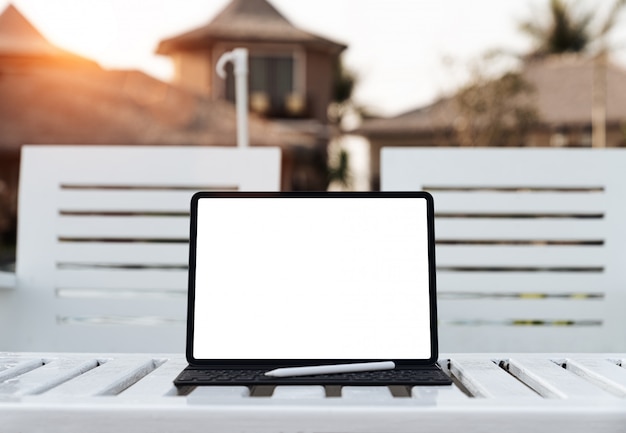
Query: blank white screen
[{"x": 312, "y": 278}]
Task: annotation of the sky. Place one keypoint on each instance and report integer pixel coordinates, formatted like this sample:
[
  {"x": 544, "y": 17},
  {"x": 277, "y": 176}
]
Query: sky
[{"x": 404, "y": 52}]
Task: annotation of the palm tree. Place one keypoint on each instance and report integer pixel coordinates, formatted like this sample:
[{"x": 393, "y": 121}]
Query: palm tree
[
  {"x": 570, "y": 29},
  {"x": 566, "y": 30}
]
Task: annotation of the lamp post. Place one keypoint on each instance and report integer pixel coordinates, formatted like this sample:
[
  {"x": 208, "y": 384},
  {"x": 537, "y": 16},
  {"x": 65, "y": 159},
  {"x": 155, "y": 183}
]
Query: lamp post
[{"x": 239, "y": 58}]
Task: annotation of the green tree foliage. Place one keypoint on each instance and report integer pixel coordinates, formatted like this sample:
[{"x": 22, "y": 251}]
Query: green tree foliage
[
  {"x": 501, "y": 111},
  {"x": 344, "y": 84},
  {"x": 495, "y": 112},
  {"x": 571, "y": 29},
  {"x": 565, "y": 30},
  {"x": 496, "y": 107},
  {"x": 338, "y": 166},
  {"x": 566, "y": 27}
]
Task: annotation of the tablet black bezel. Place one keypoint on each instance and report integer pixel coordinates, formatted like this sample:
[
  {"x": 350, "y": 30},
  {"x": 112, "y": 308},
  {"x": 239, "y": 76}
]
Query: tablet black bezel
[{"x": 269, "y": 363}]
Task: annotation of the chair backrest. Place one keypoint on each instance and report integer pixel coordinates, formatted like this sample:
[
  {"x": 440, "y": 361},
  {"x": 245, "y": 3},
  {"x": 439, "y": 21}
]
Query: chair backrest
[
  {"x": 531, "y": 246},
  {"x": 103, "y": 242}
]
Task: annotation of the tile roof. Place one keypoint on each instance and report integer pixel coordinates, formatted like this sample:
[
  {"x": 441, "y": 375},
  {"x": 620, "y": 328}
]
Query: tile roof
[
  {"x": 565, "y": 89},
  {"x": 85, "y": 106},
  {"x": 563, "y": 94},
  {"x": 423, "y": 120},
  {"x": 249, "y": 21}
]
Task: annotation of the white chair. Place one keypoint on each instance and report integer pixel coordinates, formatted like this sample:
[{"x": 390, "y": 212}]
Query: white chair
[
  {"x": 531, "y": 245},
  {"x": 103, "y": 243}
]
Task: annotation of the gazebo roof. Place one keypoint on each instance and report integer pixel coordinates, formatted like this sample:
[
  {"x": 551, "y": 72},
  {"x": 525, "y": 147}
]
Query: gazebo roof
[{"x": 248, "y": 21}]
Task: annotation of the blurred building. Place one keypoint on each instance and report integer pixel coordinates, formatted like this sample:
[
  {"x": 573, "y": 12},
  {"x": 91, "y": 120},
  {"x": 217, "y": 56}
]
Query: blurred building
[
  {"x": 51, "y": 96},
  {"x": 291, "y": 71},
  {"x": 562, "y": 92}
]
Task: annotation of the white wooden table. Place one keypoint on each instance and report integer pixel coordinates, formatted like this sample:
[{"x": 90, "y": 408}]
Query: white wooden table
[{"x": 41, "y": 392}]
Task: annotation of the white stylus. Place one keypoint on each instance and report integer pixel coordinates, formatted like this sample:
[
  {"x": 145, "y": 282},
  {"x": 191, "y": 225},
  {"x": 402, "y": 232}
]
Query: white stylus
[{"x": 329, "y": 369}]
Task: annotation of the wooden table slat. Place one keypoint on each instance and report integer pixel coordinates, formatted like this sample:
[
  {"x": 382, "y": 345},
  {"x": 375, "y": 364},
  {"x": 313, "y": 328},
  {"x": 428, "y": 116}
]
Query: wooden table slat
[
  {"x": 48, "y": 376},
  {"x": 10, "y": 368},
  {"x": 299, "y": 392},
  {"x": 551, "y": 380},
  {"x": 215, "y": 394},
  {"x": 42, "y": 395},
  {"x": 157, "y": 383},
  {"x": 369, "y": 393},
  {"x": 110, "y": 378},
  {"x": 483, "y": 378},
  {"x": 602, "y": 372},
  {"x": 439, "y": 393}
]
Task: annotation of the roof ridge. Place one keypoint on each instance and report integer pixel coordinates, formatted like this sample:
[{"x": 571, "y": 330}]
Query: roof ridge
[
  {"x": 247, "y": 20},
  {"x": 258, "y": 9},
  {"x": 19, "y": 37},
  {"x": 18, "y": 34}
]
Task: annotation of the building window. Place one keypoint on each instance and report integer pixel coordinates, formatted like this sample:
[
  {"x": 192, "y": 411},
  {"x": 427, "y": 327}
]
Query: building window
[{"x": 271, "y": 86}]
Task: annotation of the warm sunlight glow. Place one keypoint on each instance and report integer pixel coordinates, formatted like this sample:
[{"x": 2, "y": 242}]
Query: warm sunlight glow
[
  {"x": 92, "y": 30},
  {"x": 117, "y": 34}
]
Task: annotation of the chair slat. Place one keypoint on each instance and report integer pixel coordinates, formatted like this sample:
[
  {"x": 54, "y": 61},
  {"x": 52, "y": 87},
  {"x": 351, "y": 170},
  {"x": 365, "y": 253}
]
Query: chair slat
[
  {"x": 116, "y": 201},
  {"x": 547, "y": 337},
  {"x": 521, "y": 256},
  {"x": 523, "y": 309},
  {"x": 123, "y": 253},
  {"x": 137, "y": 279},
  {"x": 521, "y": 282},
  {"x": 121, "y": 307},
  {"x": 539, "y": 229},
  {"x": 528, "y": 203},
  {"x": 123, "y": 227}
]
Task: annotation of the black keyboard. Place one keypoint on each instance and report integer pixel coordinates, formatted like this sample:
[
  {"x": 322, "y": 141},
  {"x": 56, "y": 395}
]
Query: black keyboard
[{"x": 415, "y": 376}]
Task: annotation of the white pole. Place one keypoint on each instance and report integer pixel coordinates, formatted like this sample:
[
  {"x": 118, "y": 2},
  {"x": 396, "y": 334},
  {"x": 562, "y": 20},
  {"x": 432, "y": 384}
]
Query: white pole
[{"x": 239, "y": 59}]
